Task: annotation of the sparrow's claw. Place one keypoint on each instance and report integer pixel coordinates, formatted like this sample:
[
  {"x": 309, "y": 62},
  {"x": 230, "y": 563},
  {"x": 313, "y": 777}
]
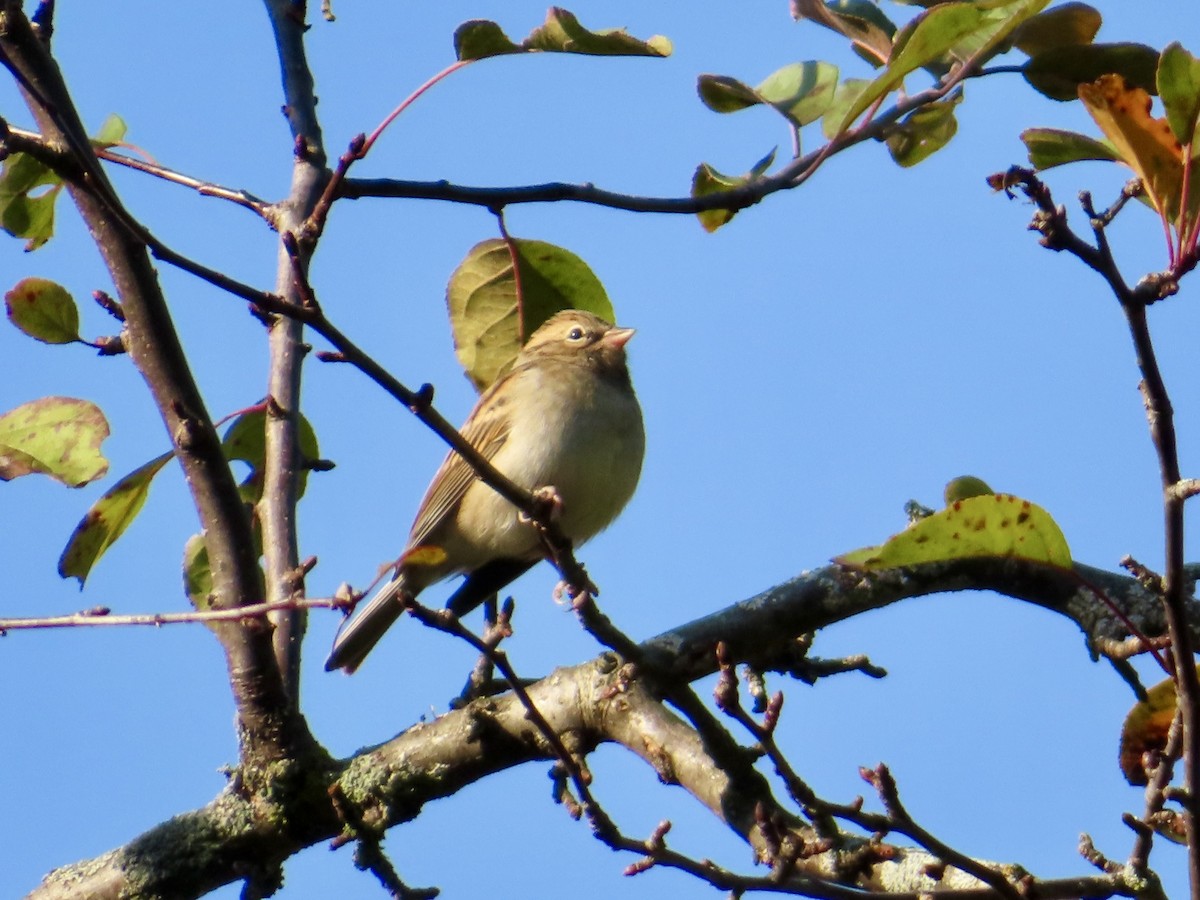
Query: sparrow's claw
[
  {"x": 566, "y": 593},
  {"x": 547, "y": 505}
]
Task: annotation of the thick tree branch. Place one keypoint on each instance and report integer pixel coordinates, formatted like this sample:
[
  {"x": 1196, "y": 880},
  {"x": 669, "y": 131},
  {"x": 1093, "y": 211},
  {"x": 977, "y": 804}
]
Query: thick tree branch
[{"x": 596, "y": 702}]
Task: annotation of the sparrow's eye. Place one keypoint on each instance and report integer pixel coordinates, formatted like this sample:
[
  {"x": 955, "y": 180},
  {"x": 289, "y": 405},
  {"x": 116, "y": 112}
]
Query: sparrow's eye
[{"x": 575, "y": 334}]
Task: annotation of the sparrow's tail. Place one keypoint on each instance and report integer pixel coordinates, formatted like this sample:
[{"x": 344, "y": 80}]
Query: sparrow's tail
[{"x": 366, "y": 628}]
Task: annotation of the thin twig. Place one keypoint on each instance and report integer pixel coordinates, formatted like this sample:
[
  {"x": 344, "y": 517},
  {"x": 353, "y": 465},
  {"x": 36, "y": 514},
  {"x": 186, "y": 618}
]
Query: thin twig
[
  {"x": 101, "y": 616},
  {"x": 900, "y": 820},
  {"x": 358, "y": 148},
  {"x": 790, "y": 176},
  {"x": 1057, "y": 235},
  {"x": 204, "y": 188},
  {"x": 445, "y": 621}
]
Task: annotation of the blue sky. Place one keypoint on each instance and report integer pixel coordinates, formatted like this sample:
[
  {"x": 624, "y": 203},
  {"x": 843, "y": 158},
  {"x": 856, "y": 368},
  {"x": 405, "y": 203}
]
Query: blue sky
[{"x": 832, "y": 353}]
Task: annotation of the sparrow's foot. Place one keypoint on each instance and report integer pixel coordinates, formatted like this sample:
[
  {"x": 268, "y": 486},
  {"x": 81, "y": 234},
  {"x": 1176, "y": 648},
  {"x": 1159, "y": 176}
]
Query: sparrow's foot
[{"x": 547, "y": 505}]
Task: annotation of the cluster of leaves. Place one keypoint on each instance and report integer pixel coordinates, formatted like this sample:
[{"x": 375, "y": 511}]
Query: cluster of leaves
[
  {"x": 1161, "y": 151},
  {"x": 61, "y": 437},
  {"x": 950, "y": 41}
]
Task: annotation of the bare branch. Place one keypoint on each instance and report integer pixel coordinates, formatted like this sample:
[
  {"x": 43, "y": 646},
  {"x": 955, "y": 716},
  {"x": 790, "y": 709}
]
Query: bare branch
[
  {"x": 102, "y": 616},
  {"x": 204, "y": 188},
  {"x": 1051, "y": 221}
]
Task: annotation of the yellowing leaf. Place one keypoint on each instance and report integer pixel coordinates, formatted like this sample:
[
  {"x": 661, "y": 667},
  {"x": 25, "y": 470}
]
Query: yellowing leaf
[
  {"x": 107, "y": 520},
  {"x": 43, "y": 310},
  {"x": 1145, "y": 144},
  {"x": 57, "y": 436},
  {"x": 1146, "y": 728},
  {"x": 991, "y": 525}
]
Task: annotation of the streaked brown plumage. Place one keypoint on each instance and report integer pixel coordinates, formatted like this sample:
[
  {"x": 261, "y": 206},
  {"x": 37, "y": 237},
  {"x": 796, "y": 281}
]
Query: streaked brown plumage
[{"x": 565, "y": 415}]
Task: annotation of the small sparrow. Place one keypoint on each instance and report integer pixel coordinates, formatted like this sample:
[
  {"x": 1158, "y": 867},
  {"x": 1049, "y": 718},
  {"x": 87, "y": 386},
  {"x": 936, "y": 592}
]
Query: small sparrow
[{"x": 565, "y": 417}]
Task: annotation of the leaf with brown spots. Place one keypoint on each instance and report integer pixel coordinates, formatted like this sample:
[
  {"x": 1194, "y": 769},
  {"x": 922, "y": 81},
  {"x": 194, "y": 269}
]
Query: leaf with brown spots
[
  {"x": 107, "y": 520},
  {"x": 43, "y": 310},
  {"x": 989, "y": 525},
  {"x": 56, "y": 436},
  {"x": 1145, "y": 144}
]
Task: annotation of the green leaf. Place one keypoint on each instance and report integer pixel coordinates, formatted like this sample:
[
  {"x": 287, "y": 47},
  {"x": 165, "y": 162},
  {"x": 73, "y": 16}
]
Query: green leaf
[
  {"x": 56, "y": 436},
  {"x": 197, "y": 574},
  {"x": 938, "y": 31},
  {"x": 844, "y": 97},
  {"x": 723, "y": 94},
  {"x": 489, "y": 321},
  {"x": 22, "y": 173},
  {"x": 246, "y": 440},
  {"x": 480, "y": 38},
  {"x": 964, "y": 487},
  {"x": 1066, "y": 25},
  {"x": 999, "y": 525},
  {"x": 922, "y": 132},
  {"x": 43, "y": 310},
  {"x": 562, "y": 33},
  {"x": 708, "y": 180},
  {"x": 801, "y": 92},
  {"x": 999, "y": 19},
  {"x": 869, "y": 30},
  {"x": 107, "y": 520},
  {"x": 1049, "y": 147},
  {"x": 1057, "y": 73},
  {"x": 23, "y": 214},
  {"x": 1179, "y": 86},
  {"x": 112, "y": 131}
]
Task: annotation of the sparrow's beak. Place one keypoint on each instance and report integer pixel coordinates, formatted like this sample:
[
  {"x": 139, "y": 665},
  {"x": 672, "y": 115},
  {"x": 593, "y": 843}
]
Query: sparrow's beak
[{"x": 618, "y": 337}]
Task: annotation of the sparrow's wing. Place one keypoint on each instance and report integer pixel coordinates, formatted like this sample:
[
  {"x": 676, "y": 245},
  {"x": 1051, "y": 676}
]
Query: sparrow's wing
[{"x": 486, "y": 430}]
